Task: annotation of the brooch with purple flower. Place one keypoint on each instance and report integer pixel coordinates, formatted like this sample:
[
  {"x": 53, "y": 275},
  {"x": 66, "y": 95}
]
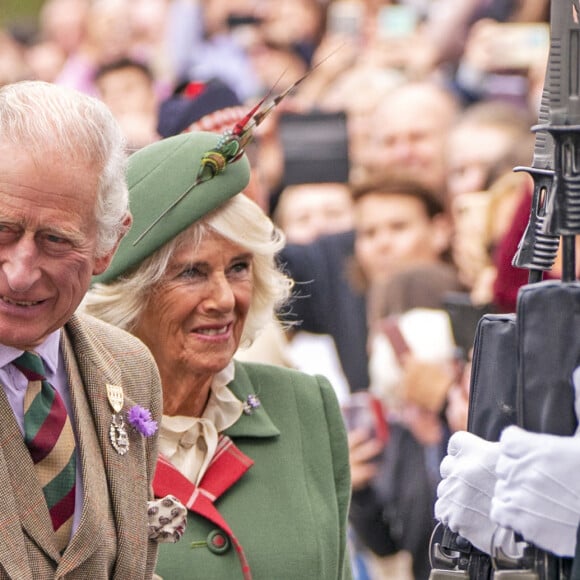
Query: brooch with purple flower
[
  {"x": 251, "y": 404},
  {"x": 140, "y": 419}
]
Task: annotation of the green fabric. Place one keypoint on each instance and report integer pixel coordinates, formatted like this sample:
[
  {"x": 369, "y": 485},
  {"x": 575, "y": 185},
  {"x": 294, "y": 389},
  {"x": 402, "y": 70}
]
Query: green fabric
[
  {"x": 46, "y": 409},
  {"x": 58, "y": 487},
  {"x": 38, "y": 412},
  {"x": 289, "y": 511},
  {"x": 29, "y": 361},
  {"x": 32, "y": 367},
  {"x": 157, "y": 176}
]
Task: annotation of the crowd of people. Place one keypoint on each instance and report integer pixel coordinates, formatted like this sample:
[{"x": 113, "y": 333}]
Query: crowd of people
[{"x": 384, "y": 203}]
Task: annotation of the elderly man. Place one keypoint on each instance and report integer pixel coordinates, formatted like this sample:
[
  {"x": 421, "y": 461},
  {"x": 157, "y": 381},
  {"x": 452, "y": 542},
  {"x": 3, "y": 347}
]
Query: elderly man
[
  {"x": 409, "y": 130},
  {"x": 79, "y": 398}
]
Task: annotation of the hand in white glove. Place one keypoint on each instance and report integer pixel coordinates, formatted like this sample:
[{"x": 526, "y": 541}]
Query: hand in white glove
[
  {"x": 538, "y": 489},
  {"x": 465, "y": 492}
]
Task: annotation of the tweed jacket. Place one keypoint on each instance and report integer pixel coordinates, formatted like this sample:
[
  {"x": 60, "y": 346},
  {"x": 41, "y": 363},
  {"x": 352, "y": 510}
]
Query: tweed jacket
[
  {"x": 289, "y": 509},
  {"x": 111, "y": 539}
]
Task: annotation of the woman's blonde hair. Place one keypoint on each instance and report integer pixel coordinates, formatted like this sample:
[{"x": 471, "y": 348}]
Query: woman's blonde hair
[{"x": 241, "y": 221}]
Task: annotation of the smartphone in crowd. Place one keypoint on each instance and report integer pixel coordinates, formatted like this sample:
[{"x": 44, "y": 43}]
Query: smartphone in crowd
[
  {"x": 362, "y": 410},
  {"x": 519, "y": 45},
  {"x": 397, "y": 21},
  {"x": 315, "y": 147},
  {"x": 345, "y": 18}
]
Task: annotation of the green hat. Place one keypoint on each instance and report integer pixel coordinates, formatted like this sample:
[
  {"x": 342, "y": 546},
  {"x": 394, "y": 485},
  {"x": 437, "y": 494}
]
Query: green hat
[{"x": 160, "y": 174}]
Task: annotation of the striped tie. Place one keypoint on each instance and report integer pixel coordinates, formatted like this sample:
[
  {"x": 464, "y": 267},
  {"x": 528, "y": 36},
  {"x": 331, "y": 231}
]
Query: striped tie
[{"x": 49, "y": 436}]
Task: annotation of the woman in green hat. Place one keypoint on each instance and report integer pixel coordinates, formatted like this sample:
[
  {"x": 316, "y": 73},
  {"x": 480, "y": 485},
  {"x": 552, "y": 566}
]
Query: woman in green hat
[{"x": 257, "y": 453}]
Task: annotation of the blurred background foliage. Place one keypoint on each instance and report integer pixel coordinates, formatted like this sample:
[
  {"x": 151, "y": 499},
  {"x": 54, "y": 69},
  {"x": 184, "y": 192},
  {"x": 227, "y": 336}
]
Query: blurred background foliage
[{"x": 18, "y": 10}]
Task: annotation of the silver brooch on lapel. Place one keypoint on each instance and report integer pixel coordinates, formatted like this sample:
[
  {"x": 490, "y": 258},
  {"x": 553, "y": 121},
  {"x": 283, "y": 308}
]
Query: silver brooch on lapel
[{"x": 117, "y": 432}]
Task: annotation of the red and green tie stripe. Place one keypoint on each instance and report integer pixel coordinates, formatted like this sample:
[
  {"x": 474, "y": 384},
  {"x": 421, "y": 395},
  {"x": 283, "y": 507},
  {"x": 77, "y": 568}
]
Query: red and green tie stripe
[{"x": 49, "y": 437}]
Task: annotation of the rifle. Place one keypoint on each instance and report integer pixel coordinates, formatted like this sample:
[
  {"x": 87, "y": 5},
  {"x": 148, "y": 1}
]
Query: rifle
[
  {"x": 548, "y": 313},
  {"x": 512, "y": 353}
]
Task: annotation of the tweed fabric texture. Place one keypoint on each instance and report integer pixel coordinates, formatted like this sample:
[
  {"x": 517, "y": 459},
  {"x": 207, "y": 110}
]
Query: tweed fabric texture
[{"x": 111, "y": 540}]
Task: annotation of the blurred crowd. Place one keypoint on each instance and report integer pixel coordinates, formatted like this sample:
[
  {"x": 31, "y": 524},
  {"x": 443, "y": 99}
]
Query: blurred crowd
[{"x": 390, "y": 169}]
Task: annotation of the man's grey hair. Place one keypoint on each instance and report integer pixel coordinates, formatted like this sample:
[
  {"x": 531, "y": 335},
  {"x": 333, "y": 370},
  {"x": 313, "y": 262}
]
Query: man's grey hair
[{"x": 43, "y": 117}]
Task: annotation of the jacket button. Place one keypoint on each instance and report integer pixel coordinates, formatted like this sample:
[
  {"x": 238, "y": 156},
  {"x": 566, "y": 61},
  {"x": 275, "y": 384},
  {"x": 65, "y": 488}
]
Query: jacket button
[{"x": 218, "y": 542}]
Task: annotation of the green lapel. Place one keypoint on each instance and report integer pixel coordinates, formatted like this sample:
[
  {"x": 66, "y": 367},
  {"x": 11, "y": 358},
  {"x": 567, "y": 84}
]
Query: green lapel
[{"x": 256, "y": 424}]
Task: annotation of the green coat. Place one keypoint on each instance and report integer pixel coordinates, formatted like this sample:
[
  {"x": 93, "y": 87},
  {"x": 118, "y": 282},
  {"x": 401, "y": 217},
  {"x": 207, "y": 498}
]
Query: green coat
[{"x": 289, "y": 510}]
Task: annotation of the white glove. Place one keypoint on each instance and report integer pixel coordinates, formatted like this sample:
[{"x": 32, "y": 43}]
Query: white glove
[
  {"x": 538, "y": 489},
  {"x": 465, "y": 492}
]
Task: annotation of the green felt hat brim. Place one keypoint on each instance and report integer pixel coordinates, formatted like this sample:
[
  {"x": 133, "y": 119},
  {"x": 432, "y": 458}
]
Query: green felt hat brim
[{"x": 159, "y": 174}]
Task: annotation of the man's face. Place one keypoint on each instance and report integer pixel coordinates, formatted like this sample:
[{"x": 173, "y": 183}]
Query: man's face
[
  {"x": 394, "y": 231},
  {"x": 310, "y": 210},
  {"x": 410, "y": 129},
  {"x": 127, "y": 90},
  {"x": 471, "y": 153},
  {"x": 47, "y": 243},
  {"x": 411, "y": 140}
]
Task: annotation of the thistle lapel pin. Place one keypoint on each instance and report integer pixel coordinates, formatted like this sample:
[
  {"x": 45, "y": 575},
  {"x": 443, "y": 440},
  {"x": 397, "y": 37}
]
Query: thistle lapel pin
[{"x": 251, "y": 404}]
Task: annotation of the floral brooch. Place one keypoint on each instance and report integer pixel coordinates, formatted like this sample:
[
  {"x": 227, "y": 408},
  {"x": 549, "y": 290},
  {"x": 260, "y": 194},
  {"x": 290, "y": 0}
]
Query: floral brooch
[
  {"x": 138, "y": 417},
  {"x": 251, "y": 404}
]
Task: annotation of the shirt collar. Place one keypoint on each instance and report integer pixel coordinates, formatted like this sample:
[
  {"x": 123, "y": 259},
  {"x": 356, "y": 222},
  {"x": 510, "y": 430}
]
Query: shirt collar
[
  {"x": 223, "y": 408},
  {"x": 49, "y": 351}
]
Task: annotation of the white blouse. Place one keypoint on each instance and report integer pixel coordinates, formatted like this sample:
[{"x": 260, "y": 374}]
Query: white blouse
[{"x": 189, "y": 443}]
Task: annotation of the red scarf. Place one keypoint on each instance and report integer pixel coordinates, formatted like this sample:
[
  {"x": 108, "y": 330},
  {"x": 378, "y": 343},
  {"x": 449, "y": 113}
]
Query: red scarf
[{"x": 226, "y": 467}]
